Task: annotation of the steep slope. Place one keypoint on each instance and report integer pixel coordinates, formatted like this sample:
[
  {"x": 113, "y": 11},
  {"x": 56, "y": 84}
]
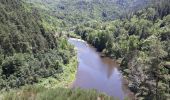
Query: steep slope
[
  {"x": 30, "y": 49},
  {"x": 22, "y": 30}
]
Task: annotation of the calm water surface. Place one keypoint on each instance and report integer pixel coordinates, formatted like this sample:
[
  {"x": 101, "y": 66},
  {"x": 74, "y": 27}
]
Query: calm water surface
[{"x": 96, "y": 72}]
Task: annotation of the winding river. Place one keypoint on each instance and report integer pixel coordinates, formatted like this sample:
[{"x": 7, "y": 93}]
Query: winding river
[{"x": 96, "y": 72}]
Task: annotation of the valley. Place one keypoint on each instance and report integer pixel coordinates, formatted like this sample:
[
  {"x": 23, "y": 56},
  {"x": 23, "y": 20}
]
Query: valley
[{"x": 84, "y": 49}]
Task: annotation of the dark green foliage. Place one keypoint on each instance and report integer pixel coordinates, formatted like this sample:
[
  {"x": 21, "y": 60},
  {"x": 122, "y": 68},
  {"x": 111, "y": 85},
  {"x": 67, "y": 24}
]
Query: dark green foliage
[
  {"x": 78, "y": 11},
  {"x": 29, "y": 49},
  {"x": 21, "y": 30},
  {"x": 142, "y": 42},
  {"x": 22, "y": 69}
]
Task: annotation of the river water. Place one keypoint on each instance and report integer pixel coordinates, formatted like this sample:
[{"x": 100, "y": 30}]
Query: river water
[{"x": 96, "y": 72}]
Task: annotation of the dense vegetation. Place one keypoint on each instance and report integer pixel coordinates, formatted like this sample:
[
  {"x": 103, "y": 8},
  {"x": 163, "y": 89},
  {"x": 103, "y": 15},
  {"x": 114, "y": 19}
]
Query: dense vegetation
[
  {"x": 141, "y": 42},
  {"x": 78, "y": 11},
  {"x": 33, "y": 47},
  {"x": 30, "y": 48}
]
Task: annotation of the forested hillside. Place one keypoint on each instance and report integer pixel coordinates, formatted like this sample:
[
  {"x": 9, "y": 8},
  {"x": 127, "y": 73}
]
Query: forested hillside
[
  {"x": 30, "y": 47},
  {"x": 141, "y": 44},
  {"x": 78, "y": 11},
  {"x": 34, "y": 47}
]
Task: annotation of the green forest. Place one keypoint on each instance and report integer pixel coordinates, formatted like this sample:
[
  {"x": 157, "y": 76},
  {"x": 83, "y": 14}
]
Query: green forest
[{"x": 38, "y": 63}]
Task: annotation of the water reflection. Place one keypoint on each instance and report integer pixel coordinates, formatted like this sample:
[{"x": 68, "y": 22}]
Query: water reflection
[{"x": 95, "y": 72}]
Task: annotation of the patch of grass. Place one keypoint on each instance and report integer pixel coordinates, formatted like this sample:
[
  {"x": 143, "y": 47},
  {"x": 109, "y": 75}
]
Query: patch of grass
[{"x": 41, "y": 93}]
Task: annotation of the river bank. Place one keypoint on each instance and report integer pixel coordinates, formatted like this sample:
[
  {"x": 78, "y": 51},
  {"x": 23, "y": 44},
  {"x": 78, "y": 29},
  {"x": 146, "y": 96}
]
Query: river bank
[
  {"x": 55, "y": 89},
  {"x": 106, "y": 72}
]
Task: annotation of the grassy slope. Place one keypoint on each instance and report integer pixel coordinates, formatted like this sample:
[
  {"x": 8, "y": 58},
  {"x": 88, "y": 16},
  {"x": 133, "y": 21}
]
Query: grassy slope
[{"x": 41, "y": 93}]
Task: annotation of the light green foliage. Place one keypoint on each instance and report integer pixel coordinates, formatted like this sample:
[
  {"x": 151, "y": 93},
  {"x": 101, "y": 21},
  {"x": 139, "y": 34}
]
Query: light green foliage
[
  {"x": 142, "y": 42},
  {"x": 41, "y": 93},
  {"x": 78, "y": 11},
  {"x": 33, "y": 48},
  {"x": 30, "y": 48}
]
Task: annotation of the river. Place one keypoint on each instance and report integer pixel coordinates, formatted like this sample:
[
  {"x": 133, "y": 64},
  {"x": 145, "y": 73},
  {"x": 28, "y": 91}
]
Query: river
[{"x": 96, "y": 72}]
